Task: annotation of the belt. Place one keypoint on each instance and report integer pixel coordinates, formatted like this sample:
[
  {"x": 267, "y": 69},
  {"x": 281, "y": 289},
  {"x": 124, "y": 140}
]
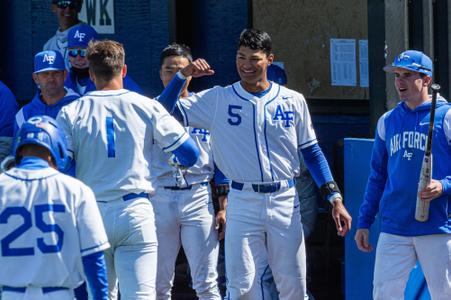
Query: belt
[
  {"x": 45, "y": 290},
  {"x": 264, "y": 188},
  {"x": 181, "y": 188},
  {"x": 132, "y": 196}
]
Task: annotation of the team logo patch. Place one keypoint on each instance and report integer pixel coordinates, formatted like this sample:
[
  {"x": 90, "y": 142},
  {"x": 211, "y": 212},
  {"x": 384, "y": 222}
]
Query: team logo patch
[{"x": 286, "y": 116}]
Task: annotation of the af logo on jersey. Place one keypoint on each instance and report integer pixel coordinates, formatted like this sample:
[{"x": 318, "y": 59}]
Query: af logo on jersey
[
  {"x": 285, "y": 116},
  {"x": 200, "y": 131},
  {"x": 79, "y": 35}
]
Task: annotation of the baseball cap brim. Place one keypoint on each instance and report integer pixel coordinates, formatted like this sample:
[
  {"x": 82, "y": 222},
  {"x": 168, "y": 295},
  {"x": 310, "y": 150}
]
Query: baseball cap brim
[
  {"x": 48, "y": 69},
  {"x": 391, "y": 69}
]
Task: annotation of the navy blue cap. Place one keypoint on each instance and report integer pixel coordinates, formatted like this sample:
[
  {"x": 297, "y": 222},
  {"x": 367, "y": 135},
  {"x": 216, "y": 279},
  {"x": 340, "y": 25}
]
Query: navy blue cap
[
  {"x": 277, "y": 74},
  {"x": 412, "y": 60},
  {"x": 80, "y": 35},
  {"x": 48, "y": 61}
]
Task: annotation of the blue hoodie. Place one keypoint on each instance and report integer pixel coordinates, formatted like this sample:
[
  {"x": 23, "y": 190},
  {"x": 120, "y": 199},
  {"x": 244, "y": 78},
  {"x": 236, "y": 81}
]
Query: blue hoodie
[
  {"x": 38, "y": 107},
  {"x": 9, "y": 109},
  {"x": 396, "y": 161}
]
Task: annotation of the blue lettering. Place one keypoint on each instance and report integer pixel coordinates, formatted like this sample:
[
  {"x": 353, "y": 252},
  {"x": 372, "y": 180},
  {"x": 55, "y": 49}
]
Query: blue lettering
[
  {"x": 201, "y": 131},
  {"x": 235, "y": 118},
  {"x": 283, "y": 116}
]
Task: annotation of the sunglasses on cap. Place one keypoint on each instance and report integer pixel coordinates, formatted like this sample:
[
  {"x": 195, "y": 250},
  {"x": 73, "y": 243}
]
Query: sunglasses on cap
[
  {"x": 75, "y": 52},
  {"x": 68, "y": 3}
]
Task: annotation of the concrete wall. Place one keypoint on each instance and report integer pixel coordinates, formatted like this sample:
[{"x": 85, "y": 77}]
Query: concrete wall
[{"x": 301, "y": 33}]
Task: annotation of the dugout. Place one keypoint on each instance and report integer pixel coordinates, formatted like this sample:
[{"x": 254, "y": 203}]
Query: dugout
[{"x": 346, "y": 105}]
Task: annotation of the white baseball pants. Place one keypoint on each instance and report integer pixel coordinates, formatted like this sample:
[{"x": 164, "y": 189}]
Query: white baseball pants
[
  {"x": 262, "y": 229},
  {"x": 132, "y": 258},
  {"x": 186, "y": 217},
  {"x": 397, "y": 255}
]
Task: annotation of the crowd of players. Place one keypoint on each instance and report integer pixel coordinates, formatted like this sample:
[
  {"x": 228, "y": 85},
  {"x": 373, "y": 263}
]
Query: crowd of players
[
  {"x": 152, "y": 179},
  {"x": 180, "y": 211}
]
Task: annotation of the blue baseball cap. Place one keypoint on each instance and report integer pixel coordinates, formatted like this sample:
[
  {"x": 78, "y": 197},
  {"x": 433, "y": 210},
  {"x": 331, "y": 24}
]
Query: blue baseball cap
[
  {"x": 412, "y": 60},
  {"x": 48, "y": 61},
  {"x": 277, "y": 74},
  {"x": 80, "y": 35}
]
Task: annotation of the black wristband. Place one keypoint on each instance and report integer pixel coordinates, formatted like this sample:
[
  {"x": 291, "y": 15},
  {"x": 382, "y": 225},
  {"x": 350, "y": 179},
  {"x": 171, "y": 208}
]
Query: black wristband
[
  {"x": 222, "y": 190},
  {"x": 329, "y": 188}
]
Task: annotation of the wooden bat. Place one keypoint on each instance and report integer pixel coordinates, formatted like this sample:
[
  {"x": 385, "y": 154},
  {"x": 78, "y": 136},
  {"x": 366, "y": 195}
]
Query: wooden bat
[{"x": 422, "y": 207}]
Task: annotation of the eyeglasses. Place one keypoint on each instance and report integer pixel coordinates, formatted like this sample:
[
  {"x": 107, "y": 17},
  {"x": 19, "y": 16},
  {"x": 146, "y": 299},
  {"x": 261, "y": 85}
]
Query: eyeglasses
[
  {"x": 75, "y": 52},
  {"x": 68, "y": 3}
]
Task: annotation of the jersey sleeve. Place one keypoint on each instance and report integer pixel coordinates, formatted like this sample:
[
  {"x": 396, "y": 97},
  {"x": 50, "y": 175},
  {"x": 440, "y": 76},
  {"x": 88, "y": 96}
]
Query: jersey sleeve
[
  {"x": 168, "y": 132},
  {"x": 304, "y": 127},
  {"x": 65, "y": 124},
  {"x": 91, "y": 231},
  {"x": 199, "y": 109},
  {"x": 376, "y": 180}
]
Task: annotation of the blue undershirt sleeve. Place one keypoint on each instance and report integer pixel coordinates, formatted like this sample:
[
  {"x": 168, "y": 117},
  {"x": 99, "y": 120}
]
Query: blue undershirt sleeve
[
  {"x": 317, "y": 164},
  {"x": 219, "y": 177},
  {"x": 168, "y": 98},
  {"x": 95, "y": 271},
  {"x": 187, "y": 153}
]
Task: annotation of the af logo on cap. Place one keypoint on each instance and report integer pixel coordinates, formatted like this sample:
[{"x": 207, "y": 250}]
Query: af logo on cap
[
  {"x": 49, "y": 58},
  {"x": 79, "y": 35}
]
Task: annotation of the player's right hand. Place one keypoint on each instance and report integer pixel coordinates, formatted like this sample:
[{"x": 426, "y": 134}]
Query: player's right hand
[
  {"x": 221, "y": 223},
  {"x": 362, "y": 239},
  {"x": 197, "y": 68}
]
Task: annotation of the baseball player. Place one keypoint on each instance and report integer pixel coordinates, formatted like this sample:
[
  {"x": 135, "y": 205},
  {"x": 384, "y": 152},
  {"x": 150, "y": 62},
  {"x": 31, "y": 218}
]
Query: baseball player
[
  {"x": 51, "y": 230},
  {"x": 78, "y": 79},
  {"x": 9, "y": 109},
  {"x": 269, "y": 124},
  {"x": 183, "y": 205},
  {"x": 111, "y": 133},
  {"x": 392, "y": 185},
  {"x": 66, "y": 12}
]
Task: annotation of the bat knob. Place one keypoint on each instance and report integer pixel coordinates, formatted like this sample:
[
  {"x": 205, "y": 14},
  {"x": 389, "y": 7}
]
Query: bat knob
[{"x": 435, "y": 87}]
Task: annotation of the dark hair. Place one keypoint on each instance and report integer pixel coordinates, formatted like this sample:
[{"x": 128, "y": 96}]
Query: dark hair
[
  {"x": 106, "y": 58},
  {"x": 256, "y": 40},
  {"x": 175, "y": 49}
]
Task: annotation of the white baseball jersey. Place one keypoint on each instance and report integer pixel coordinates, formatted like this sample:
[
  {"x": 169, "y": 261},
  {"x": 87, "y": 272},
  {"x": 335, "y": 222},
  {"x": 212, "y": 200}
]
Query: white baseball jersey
[
  {"x": 126, "y": 125},
  {"x": 48, "y": 221},
  {"x": 254, "y": 139}
]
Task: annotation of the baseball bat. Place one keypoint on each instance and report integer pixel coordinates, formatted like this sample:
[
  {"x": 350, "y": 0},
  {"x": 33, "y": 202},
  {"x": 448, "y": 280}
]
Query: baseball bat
[{"x": 422, "y": 207}]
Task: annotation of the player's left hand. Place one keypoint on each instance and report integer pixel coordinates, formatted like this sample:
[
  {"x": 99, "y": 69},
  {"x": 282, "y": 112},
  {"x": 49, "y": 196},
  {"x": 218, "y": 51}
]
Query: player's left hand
[
  {"x": 432, "y": 191},
  {"x": 341, "y": 217},
  {"x": 220, "y": 223}
]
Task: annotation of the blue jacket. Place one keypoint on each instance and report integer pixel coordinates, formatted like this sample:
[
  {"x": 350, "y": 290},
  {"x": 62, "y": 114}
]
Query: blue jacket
[
  {"x": 38, "y": 107},
  {"x": 9, "y": 108},
  {"x": 396, "y": 161},
  {"x": 71, "y": 83}
]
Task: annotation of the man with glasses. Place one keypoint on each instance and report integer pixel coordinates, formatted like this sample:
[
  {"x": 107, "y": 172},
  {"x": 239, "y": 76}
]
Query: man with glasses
[
  {"x": 78, "y": 78},
  {"x": 66, "y": 12}
]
